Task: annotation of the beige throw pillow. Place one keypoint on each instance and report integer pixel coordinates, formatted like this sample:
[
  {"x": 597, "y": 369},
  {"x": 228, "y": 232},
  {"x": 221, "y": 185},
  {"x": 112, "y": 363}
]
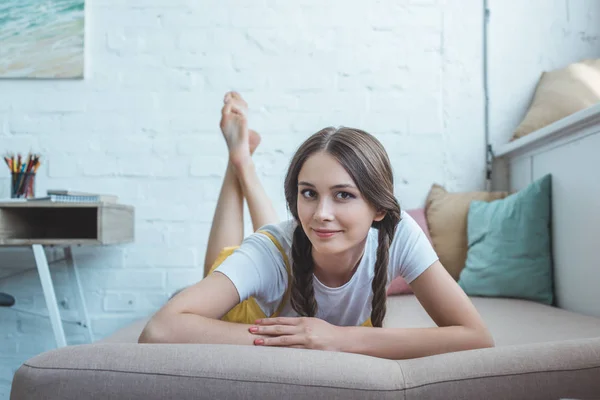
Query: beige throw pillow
[
  {"x": 447, "y": 220},
  {"x": 560, "y": 93}
]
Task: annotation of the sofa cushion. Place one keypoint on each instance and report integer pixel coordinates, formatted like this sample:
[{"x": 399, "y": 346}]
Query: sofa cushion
[
  {"x": 447, "y": 221},
  {"x": 509, "y": 246},
  {"x": 566, "y": 369},
  {"x": 509, "y": 321},
  {"x": 560, "y": 93}
]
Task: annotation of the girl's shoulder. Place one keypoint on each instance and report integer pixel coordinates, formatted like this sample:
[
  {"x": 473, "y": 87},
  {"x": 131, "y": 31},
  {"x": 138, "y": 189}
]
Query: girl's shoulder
[
  {"x": 407, "y": 226},
  {"x": 282, "y": 232}
]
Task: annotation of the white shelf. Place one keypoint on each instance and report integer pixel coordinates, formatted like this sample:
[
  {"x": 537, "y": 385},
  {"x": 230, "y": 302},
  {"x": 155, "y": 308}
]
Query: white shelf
[{"x": 573, "y": 124}]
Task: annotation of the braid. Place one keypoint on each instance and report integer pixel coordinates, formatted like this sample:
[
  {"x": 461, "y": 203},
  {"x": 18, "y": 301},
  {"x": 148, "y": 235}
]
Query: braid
[
  {"x": 303, "y": 293},
  {"x": 386, "y": 233}
]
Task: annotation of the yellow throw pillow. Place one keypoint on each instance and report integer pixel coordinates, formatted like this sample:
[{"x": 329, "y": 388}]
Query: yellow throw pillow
[
  {"x": 560, "y": 93},
  {"x": 446, "y": 215}
]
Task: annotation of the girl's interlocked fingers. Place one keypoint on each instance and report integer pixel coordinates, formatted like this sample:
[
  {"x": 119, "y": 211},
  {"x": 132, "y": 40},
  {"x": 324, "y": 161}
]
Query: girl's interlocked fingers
[{"x": 298, "y": 332}]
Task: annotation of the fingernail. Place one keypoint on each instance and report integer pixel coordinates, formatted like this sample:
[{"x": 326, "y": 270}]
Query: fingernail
[
  {"x": 253, "y": 329},
  {"x": 259, "y": 341}
]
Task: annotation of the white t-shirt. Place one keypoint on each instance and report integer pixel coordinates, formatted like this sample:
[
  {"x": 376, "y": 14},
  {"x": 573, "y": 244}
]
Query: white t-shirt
[{"x": 257, "y": 270}]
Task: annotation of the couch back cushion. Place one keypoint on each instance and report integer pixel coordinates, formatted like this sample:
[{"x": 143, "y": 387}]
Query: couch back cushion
[
  {"x": 446, "y": 214},
  {"x": 509, "y": 246}
]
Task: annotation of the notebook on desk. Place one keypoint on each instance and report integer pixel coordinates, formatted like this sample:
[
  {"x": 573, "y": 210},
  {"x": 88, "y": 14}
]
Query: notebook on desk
[{"x": 69, "y": 196}]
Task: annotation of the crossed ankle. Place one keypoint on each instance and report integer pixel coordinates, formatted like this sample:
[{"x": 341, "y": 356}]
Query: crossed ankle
[{"x": 241, "y": 165}]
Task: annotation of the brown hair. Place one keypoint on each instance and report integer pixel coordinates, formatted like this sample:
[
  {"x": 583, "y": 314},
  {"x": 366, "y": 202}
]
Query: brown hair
[{"x": 367, "y": 162}]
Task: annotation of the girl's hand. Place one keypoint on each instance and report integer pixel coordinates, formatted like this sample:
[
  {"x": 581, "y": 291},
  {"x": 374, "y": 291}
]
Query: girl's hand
[{"x": 297, "y": 332}]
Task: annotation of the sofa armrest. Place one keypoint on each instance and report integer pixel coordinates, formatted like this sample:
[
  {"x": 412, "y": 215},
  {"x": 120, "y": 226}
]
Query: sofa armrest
[{"x": 111, "y": 370}]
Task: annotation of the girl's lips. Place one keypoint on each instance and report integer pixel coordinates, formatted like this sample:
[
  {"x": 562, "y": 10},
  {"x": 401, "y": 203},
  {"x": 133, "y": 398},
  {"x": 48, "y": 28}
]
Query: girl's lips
[{"x": 325, "y": 234}]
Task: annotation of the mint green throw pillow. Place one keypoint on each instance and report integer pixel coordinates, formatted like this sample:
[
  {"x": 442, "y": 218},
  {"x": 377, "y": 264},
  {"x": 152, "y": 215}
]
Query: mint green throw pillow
[{"x": 509, "y": 253}]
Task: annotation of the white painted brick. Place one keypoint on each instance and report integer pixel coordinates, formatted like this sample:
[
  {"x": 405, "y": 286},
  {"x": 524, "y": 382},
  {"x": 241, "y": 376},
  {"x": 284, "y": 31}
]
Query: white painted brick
[
  {"x": 331, "y": 15},
  {"x": 130, "y": 17},
  {"x": 181, "y": 278},
  {"x": 133, "y": 302},
  {"x": 8, "y": 347},
  {"x": 151, "y": 256},
  {"x": 163, "y": 79},
  {"x": 63, "y": 167},
  {"x": 184, "y": 102},
  {"x": 119, "y": 100},
  {"x": 190, "y": 61},
  {"x": 163, "y": 191},
  {"x": 271, "y": 123},
  {"x": 423, "y": 2},
  {"x": 301, "y": 77},
  {"x": 150, "y": 166},
  {"x": 120, "y": 302},
  {"x": 4, "y": 123},
  {"x": 102, "y": 257},
  {"x": 186, "y": 234},
  {"x": 246, "y": 17},
  {"x": 209, "y": 166},
  {"x": 196, "y": 16},
  {"x": 38, "y": 124},
  {"x": 139, "y": 40},
  {"x": 18, "y": 144},
  {"x": 72, "y": 144},
  {"x": 164, "y": 145},
  {"x": 107, "y": 123},
  {"x": 203, "y": 146},
  {"x": 385, "y": 122},
  {"x": 217, "y": 40},
  {"x": 152, "y": 233},
  {"x": 130, "y": 279},
  {"x": 153, "y": 210},
  {"x": 42, "y": 101},
  {"x": 241, "y": 80},
  {"x": 97, "y": 165},
  {"x": 5, "y": 188}
]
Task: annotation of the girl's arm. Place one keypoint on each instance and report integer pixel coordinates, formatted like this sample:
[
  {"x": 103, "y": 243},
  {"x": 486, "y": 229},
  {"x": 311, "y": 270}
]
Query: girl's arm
[
  {"x": 459, "y": 325},
  {"x": 193, "y": 316}
]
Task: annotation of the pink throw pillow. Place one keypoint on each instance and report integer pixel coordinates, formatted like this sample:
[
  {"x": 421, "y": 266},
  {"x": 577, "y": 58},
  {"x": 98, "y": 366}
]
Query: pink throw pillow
[{"x": 399, "y": 285}]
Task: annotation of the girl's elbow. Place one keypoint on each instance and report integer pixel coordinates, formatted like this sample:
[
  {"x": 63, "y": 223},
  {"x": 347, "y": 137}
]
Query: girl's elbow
[
  {"x": 155, "y": 331},
  {"x": 485, "y": 340}
]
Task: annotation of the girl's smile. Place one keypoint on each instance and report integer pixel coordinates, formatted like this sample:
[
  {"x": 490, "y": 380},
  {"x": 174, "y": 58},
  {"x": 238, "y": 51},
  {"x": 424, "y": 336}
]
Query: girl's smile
[{"x": 325, "y": 234}]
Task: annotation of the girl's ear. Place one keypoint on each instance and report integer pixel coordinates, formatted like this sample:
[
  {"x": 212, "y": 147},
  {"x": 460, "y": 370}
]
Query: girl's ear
[{"x": 379, "y": 216}]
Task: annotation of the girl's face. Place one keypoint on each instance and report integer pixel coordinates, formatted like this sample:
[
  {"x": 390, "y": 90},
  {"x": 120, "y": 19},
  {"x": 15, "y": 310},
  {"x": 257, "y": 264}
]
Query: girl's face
[{"x": 333, "y": 214}]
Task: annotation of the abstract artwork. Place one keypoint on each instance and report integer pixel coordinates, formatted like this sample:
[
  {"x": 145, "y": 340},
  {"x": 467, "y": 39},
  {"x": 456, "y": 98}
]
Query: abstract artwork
[{"x": 42, "y": 38}]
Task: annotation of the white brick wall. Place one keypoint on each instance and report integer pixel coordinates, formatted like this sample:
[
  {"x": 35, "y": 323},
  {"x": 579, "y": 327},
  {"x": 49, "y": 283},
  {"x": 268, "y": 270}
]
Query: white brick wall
[{"x": 144, "y": 125}]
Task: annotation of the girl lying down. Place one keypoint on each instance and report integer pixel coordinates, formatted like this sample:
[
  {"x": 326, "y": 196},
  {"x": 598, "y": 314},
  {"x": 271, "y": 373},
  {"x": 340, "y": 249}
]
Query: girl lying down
[{"x": 319, "y": 280}]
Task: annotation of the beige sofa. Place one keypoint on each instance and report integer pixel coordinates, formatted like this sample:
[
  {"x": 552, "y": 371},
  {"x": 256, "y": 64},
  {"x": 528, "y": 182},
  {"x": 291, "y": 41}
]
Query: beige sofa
[{"x": 541, "y": 352}]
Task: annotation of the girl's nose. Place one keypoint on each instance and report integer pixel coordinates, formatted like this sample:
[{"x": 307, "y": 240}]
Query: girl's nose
[{"x": 324, "y": 211}]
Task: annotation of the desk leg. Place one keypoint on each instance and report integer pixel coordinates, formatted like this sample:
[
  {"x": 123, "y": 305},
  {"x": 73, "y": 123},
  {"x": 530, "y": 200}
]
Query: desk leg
[
  {"x": 49, "y": 295},
  {"x": 74, "y": 272}
]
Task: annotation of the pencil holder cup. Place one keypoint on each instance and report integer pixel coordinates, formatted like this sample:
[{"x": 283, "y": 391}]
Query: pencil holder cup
[{"x": 22, "y": 185}]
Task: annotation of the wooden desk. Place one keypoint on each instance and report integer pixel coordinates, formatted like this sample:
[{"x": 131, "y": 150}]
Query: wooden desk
[{"x": 44, "y": 223}]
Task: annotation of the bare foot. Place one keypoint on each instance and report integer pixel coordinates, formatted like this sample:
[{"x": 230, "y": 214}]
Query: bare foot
[
  {"x": 234, "y": 125},
  {"x": 254, "y": 140}
]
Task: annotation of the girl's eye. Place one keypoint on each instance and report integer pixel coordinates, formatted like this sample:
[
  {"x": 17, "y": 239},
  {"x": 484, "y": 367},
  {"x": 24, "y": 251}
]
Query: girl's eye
[
  {"x": 308, "y": 193},
  {"x": 345, "y": 195}
]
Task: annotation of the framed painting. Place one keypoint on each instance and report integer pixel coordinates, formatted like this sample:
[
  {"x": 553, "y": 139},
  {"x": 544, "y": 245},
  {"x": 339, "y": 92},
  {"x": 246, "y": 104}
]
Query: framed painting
[{"x": 42, "y": 38}]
